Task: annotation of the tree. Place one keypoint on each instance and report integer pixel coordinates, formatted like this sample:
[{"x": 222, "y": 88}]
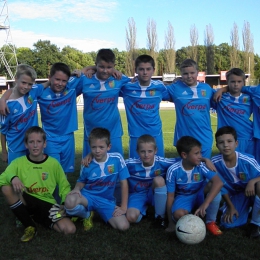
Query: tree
[
  {"x": 222, "y": 57},
  {"x": 45, "y": 55},
  {"x": 209, "y": 41},
  {"x": 234, "y": 53},
  {"x": 131, "y": 47},
  {"x": 169, "y": 51},
  {"x": 248, "y": 43},
  {"x": 76, "y": 59},
  {"x": 194, "y": 36},
  {"x": 152, "y": 41}
]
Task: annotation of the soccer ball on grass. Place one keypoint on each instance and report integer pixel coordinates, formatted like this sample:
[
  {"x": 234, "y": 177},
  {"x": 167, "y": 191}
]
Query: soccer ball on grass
[{"x": 190, "y": 229}]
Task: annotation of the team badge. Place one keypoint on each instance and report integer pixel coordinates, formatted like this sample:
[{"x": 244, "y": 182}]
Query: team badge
[
  {"x": 242, "y": 176},
  {"x": 245, "y": 100},
  {"x": 157, "y": 172},
  {"x": 45, "y": 176},
  {"x": 152, "y": 92},
  {"x": 111, "y": 168},
  {"x": 196, "y": 177},
  {"x": 111, "y": 84},
  {"x": 65, "y": 92},
  {"x": 203, "y": 92},
  {"x": 30, "y": 100}
]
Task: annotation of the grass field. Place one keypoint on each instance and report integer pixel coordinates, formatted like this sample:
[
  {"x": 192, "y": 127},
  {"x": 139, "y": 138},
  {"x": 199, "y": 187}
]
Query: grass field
[{"x": 139, "y": 242}]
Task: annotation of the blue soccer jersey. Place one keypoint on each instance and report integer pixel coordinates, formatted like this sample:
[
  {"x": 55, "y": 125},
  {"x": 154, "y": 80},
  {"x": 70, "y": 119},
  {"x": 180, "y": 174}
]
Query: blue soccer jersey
[
  {"x": 235, "y": 179},
  {"x": 141, "y": 177},
  {"x": 192, "y": 106},
  {"x": 59, "y": 110},
  {"x": 142, "y": 106},
  {"x": 23, "y": 115},
  {"x": 236, "y": 112},
  {"x": 100, "y": 178},
  {"x": 254, "y": 92},
  {"x": 100, "y": 104},
  {"x": 184, "y": 182}
]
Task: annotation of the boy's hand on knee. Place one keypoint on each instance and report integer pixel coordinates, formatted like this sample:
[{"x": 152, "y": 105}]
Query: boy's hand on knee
[
  {"x": 17, "y": 185},
  {"x": 119, "y": 212},
  {"x": 250, "y": 189}
]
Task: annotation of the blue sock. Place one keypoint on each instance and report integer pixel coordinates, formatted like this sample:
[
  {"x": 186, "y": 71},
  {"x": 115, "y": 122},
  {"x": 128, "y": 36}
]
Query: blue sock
[
  {"x": 256, "y": 211},
  {"x": 160, "y": 197},
  {"x": 79, "y": 211},
  {"x": 212, "y": 209}
]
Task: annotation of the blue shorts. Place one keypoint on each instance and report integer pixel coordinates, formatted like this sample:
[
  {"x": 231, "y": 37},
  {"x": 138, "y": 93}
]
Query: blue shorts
[
  {"x": 116, "y": 146},
  {"x": 242, "y": 205},
  {"x": 140, "y": 200},
  {"x": 188, "y": 202},
  {"x": 62, "y": 148},
  {"x": 12, "y": 156},
  {"x": 246, "y": 146},
  {"x": 133, "y": 145},
  {"x": 104, "y": 207}
]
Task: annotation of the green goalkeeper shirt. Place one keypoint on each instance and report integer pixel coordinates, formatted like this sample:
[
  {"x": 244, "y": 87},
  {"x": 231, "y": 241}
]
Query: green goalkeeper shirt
[{"x": 39, "y": 178}]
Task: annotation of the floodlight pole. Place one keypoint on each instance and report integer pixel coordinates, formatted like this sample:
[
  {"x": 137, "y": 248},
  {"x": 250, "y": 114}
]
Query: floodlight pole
[{"x": 7, "y": 48}]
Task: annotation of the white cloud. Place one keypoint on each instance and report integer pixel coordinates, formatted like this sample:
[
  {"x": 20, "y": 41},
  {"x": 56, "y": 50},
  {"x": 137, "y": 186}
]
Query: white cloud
[
  {"x": 27, "y": 39},
  {"x": 66, "y": 10}
]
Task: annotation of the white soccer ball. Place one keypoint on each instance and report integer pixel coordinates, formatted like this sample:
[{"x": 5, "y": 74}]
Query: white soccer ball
[{"x": 190, "y": 229}]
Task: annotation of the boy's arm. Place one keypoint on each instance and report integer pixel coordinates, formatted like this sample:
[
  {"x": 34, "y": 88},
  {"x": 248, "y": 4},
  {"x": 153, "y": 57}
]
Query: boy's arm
[
  {"x": 209, "y": 164},
  {"x": 169, "y": 202},
  {"x": 4, "y": 150},
  {"x": 250, "y": 187},
  {"x": 17, "y": 185},
  {"x": 218, "y": 94},
  {"x": 215, "y": 189},
  {"x": 231, "y": 210},
  {"x": 78, "y": 187},
  {"x": 4, "y": 110},
  {"x": 124, "y": 199}
]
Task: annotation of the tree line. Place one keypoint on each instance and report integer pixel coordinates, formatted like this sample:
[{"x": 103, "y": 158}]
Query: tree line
[{"x": 210, "y": 57}]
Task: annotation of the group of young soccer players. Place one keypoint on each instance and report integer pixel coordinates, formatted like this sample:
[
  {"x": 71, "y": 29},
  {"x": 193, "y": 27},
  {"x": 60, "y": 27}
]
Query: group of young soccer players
[{"x": 174, "y": 186}]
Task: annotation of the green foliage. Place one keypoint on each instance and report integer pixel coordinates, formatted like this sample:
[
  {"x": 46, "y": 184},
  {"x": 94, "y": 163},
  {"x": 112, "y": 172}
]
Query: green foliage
[{"x": 44, "y": 54}]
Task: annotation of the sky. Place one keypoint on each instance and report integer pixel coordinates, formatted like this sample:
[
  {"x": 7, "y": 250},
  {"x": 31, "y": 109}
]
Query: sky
[{"x": 91, "y": 25}]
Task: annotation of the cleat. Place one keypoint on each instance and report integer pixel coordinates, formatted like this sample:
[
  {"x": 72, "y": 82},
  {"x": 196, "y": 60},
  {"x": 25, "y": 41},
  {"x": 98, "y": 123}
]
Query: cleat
[
  {"x": 255, "y": 231},
  {"x": 74, "y": 219},
  {"x": 159, "y": 222},
  {"x": 88, "y": 222},
  {"x": 213, "y": 228},
  {"x": 29, "y": 233}
]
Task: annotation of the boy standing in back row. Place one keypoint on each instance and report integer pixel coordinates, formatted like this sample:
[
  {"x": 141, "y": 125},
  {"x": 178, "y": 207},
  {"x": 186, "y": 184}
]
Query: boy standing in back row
[
  {"x": 22, "y": 104},
  {"x": 192, "y": 104},
  {"x": 142, "y": 104}
]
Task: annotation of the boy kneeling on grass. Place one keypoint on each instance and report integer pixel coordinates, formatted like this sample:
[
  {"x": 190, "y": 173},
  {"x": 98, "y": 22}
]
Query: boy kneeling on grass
[
  {"x": 28, "y": 184},
  {"x": 95, "y": 187},
  {"x": 186, "y": 182},
  {"x": 241, "y": 175}
]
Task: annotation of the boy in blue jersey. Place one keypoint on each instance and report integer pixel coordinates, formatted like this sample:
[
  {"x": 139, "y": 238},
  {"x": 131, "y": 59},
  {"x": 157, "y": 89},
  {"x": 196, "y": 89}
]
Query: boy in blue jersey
[
  {"x": 186, "y": 181},
  {"x": 235, "y": 108},
  {"x": 192, "y": 104},
  {"x": 22, "y": 104},
  {"x": 142, "y": 103},
  {"x": 100, "y": 93},
  {"x": 241, "y": 176},
  {"x": 59, "y": 114},
  {"x": 95, "y": 187},
  {"x": 147, "y": 182},
  {"x": 28, "y": 183}
]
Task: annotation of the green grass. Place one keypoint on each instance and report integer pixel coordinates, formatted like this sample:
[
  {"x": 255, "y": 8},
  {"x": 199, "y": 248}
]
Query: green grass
[{"x": 139, "y": 242}]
